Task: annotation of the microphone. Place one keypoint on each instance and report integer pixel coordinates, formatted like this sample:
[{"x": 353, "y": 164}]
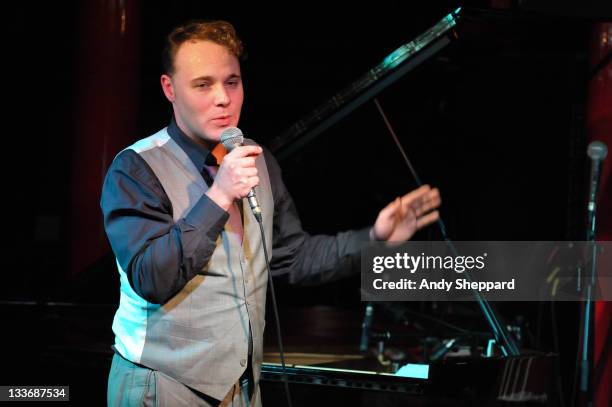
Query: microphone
[
  {"x": 597, "y": 151},
  {"x": 231, "y": 138}
]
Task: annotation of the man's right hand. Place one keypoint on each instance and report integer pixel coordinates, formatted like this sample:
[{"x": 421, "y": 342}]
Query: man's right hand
[{"x": 236, "y": 176}]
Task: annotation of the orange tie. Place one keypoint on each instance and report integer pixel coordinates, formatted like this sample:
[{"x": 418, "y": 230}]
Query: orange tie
[{"x": 219, "y": 152}]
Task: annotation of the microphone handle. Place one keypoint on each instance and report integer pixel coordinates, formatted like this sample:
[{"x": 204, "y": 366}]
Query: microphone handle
[
  {"x": 252, "y": 199},
  {"x": 595, "y": 171}
]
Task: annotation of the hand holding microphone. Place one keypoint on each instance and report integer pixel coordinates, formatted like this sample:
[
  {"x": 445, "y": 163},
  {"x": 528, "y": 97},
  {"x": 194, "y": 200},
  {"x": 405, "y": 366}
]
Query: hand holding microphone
[{"x": 237, "y": 175}]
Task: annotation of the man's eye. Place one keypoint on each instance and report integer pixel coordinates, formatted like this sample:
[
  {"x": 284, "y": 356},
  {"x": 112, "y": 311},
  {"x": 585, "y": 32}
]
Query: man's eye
[
  {"x": 233, "y": 83},
  {"x": 202, "y": 85}
]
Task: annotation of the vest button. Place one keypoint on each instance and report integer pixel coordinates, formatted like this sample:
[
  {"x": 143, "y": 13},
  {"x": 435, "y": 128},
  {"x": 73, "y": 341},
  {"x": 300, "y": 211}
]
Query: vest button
[{"x": 243, "y": 362}]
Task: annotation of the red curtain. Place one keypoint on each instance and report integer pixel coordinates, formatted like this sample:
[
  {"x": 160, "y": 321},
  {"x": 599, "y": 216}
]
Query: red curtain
[{"x": 105, "y": 116}]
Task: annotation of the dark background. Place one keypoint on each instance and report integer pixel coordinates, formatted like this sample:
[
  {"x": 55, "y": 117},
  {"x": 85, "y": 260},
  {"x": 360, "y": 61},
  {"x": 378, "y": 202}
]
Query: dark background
[{"x": 496, "y": 121}]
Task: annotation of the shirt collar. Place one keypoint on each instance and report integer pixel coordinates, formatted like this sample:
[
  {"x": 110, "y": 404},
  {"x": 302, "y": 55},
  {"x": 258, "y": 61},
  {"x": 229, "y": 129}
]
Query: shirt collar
[{"x": 199, "y": 155}]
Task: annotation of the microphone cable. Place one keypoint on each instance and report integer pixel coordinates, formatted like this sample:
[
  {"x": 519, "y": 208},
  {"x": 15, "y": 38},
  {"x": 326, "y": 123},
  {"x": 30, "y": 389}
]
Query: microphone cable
[
  {"x": 230, "y": 138},
  {"x": 275, "y": 307}
]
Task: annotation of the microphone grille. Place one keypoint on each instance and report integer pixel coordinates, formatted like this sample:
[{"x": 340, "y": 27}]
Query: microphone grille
[
  {"x": 597, "y": 150},
  {"x": 231, "y": 137}
]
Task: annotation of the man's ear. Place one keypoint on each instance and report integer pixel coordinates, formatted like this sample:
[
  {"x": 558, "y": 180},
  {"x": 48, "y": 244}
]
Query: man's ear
[{"x": 166, "y": 84}]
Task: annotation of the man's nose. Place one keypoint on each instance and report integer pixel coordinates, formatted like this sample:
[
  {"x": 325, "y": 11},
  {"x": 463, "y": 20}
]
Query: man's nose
[{"x": 221, "y": 96}]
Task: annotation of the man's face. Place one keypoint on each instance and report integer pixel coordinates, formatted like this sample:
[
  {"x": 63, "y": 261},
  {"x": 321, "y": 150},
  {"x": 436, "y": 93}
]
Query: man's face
[{"x": 205, "y": 90}]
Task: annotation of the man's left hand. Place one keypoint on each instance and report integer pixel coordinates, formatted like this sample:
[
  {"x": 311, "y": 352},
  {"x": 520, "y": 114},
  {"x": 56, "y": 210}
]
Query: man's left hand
[{"x": 398, "y": 221}]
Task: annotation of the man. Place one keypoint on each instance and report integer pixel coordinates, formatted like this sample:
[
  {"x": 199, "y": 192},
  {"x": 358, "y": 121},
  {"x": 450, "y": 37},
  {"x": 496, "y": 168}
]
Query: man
[{"x": 190, "y": 322}]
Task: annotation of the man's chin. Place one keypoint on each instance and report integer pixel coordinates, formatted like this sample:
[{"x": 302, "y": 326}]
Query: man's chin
[{"x": 208, "y": 139}]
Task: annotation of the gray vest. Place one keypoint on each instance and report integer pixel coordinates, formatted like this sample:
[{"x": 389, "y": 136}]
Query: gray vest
[{"x": 200, "y": 336}]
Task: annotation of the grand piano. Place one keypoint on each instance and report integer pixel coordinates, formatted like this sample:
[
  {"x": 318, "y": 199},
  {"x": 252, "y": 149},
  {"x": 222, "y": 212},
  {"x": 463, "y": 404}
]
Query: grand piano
[{"x": 391, "y": 360}]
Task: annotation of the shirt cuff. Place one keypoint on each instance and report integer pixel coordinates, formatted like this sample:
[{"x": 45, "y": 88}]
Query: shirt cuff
[
  {"x": 355, "y": 240},
  {"x": 362, "y": 236}
]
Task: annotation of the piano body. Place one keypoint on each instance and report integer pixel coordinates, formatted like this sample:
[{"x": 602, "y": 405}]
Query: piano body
[
  {"x": 321, "y": 371},
  {"x": 324, "y": 366}
]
